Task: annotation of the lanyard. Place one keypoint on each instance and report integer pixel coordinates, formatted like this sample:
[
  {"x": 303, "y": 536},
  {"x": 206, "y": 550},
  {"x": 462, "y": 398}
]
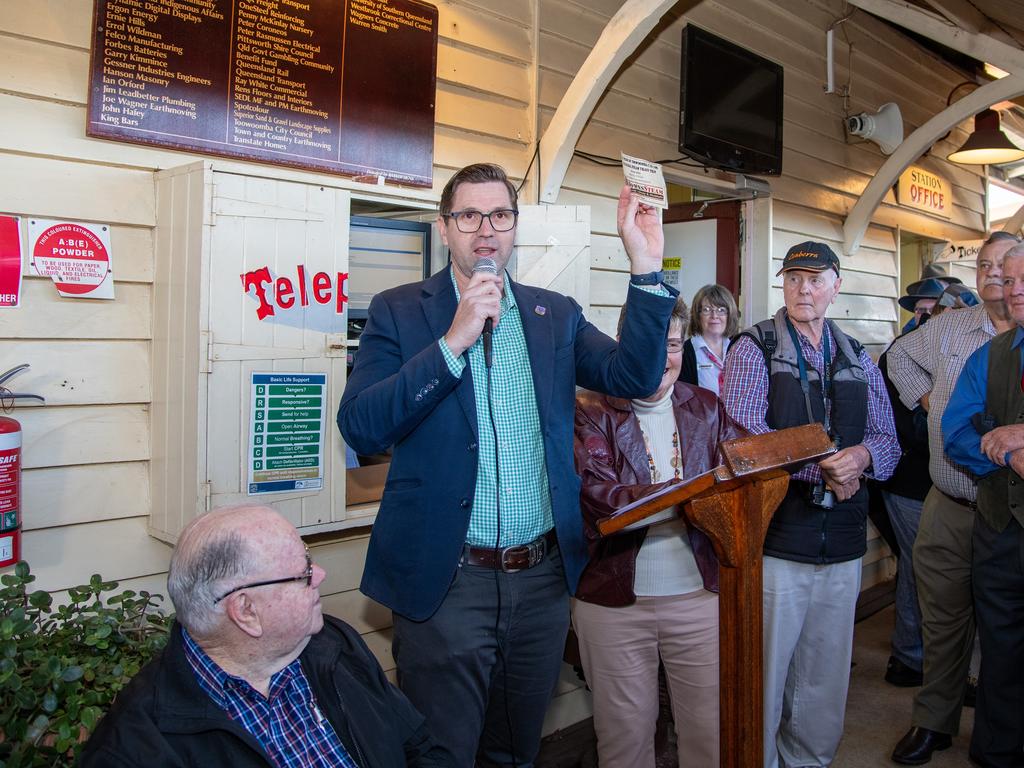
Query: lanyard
[{"x": 826, "y": 384}]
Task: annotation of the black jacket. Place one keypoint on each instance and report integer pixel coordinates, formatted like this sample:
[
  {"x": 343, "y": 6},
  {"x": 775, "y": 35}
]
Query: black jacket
[
  {"x": 688, "y": 372},
  {"x": 163, "y": 717},
  {"x": 911, "y": 477}
]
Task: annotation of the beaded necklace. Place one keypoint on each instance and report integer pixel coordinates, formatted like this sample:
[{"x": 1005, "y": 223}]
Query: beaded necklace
[{"x": 676, "y": 460}]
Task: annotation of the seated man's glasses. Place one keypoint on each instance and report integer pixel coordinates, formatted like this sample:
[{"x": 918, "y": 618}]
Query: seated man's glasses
[
  {"x": 307, "y": 576},
  {"x": 502, "y": 220}
]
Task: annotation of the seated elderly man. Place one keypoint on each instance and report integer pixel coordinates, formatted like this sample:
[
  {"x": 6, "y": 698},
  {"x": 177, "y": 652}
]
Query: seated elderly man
[{"x": 254, "y": 674}]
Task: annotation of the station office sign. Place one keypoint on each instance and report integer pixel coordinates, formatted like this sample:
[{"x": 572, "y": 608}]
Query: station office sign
[
  {"x": 343, "y": 86},
  {"x": 924, "y": 191}
]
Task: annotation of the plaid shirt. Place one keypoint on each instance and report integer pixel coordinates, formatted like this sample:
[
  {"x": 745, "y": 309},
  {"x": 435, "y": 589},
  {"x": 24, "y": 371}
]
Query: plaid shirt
[
  {"x": 930, "y": 360},
  {"x": 745, "y": 395},
  {"x": 525, "y": 496},
  {"x": 288, "y": 723}
]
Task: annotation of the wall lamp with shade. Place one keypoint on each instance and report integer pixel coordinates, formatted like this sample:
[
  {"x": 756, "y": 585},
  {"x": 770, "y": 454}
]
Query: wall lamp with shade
[{"x": 988, "y": 144}]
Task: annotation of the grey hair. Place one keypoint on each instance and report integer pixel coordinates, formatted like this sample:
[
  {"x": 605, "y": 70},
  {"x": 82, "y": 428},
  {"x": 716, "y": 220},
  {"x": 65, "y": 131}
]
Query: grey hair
[
  {"x": 1015, "y": 252},
  {"x": 199, "y": 573}
]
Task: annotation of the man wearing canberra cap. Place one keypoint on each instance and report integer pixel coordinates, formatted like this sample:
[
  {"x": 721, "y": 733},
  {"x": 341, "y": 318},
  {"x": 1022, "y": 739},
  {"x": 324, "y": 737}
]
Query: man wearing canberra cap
[{"x": 799, "y": 368}]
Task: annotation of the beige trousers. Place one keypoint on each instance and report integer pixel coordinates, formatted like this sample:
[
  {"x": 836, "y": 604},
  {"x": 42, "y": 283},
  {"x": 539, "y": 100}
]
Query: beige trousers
[{"x": 620, "y": 649}]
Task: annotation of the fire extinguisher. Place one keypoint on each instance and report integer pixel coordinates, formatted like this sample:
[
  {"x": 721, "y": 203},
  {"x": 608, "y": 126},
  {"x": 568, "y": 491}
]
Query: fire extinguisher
[{"x": 10, "y": 473}]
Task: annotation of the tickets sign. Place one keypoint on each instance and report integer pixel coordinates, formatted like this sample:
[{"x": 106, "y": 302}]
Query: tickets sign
[
  {"x": 10, "y": 261},
  {"x": 75, "y": 256}
]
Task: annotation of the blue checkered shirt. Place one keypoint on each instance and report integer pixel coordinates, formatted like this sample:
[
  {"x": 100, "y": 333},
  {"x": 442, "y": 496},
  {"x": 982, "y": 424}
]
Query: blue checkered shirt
[
  {"x": 525, "y": 496},
  {"x": 288, "y": 723}
]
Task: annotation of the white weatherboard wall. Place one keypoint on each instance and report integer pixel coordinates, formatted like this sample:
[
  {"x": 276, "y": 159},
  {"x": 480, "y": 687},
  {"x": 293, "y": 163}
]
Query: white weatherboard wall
[
  {"x": 89, "y": 452},
  {"x": 502, "y": 68}
]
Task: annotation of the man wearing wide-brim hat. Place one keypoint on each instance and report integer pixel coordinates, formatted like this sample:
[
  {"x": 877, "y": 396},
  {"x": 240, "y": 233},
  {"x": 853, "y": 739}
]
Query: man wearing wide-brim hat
[{"x": 922, "y": 295}]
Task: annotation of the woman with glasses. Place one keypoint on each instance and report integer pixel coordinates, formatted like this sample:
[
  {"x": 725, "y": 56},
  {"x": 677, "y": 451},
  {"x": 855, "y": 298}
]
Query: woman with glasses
[
  {"x": 648, "y": 594},
  {"x": 714, "y": 319}
]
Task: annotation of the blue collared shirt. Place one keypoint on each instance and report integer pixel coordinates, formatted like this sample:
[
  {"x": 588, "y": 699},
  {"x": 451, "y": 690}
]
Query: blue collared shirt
[
  {"x": 288, "y": 722},
  {"x": 961, "y": 440}
]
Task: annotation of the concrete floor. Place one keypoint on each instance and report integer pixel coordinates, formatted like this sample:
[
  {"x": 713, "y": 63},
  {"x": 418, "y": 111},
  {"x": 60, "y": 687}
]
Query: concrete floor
[{"x": 877, "y": 715}]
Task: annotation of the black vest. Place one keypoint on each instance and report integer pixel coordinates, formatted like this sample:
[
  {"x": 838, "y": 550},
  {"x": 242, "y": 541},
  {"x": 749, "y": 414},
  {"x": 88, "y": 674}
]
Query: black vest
[
  {"x": 1001, "y": 493},
  {"x": 799, "y": 530}
]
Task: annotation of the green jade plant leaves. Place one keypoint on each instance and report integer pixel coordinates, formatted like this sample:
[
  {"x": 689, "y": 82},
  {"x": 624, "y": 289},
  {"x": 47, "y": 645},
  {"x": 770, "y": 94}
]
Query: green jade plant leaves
[{"x": 60, "y": 668}]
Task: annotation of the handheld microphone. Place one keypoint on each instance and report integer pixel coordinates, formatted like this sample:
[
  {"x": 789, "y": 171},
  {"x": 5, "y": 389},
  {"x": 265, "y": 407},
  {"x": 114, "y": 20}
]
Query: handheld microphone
[{"x": 487, "y": 266}]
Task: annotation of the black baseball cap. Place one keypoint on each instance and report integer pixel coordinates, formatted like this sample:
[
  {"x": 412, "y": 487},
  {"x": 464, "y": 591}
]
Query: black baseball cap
[{"x": 812, "y": 256}]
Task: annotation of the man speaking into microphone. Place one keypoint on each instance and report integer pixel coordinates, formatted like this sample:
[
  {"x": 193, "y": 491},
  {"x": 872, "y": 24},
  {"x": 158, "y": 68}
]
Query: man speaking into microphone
[{"x": 478, "y": 542}]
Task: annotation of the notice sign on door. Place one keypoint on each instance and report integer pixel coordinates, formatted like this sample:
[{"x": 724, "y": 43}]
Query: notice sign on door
[
  {"x": 75, "y": 256},
  {"x": 286, "y": 432},
  {"x": 10, "y": 261}
]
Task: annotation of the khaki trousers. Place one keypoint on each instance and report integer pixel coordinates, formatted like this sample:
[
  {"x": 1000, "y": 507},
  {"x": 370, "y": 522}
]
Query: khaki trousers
[
  {"x": 942, "y": 565},
  {"x": 620, "y": 648}
]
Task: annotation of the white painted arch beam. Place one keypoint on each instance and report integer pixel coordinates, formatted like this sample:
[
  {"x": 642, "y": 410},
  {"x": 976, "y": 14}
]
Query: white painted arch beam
[
  {"x": 625, "y": 31},
  {"x": 916, "y": 145},
  {"x": 982, "y": 47}
]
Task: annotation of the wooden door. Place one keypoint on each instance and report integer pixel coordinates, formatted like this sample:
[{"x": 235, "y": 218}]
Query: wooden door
[{"x": 726, "y": 217}]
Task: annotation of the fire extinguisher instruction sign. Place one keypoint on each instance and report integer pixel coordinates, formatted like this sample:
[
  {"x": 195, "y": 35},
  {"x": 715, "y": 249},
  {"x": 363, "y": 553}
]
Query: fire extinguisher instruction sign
[
  {"x": 10, "y": 491},
  {"x": 76, "y": 256},
  {"x": 286, "y": 432}
]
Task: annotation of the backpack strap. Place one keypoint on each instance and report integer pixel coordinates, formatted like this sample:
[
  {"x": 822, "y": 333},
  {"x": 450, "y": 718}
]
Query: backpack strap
[{"x": 763, "y": 335}]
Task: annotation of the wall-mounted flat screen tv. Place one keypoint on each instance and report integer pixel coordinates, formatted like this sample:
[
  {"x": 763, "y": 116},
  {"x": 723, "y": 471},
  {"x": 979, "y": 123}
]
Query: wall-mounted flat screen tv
[{"x": 730, "y": 105}]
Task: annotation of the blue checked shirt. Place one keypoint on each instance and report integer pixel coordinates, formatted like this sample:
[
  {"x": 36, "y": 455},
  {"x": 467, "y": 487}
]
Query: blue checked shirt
[
  {"x": 288, "y": 723},
  {"x": 525, "y": 496}
]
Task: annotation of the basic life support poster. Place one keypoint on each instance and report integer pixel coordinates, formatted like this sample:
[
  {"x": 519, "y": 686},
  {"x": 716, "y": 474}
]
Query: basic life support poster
[{"x": 286, "y": 432}]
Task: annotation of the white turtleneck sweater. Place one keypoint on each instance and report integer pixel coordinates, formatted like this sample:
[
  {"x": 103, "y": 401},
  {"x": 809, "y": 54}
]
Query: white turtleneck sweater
[{"x": 665, "y": 564}]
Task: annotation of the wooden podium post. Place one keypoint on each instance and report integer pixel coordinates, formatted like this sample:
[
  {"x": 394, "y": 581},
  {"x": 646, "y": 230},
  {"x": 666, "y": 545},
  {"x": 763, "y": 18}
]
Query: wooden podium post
[{"x": 733, "y": 505}]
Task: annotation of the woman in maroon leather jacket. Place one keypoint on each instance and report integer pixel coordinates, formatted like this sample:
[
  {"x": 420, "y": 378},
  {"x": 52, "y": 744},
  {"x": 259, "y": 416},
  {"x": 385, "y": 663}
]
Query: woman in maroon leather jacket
[{"x": 649, "y": 594}]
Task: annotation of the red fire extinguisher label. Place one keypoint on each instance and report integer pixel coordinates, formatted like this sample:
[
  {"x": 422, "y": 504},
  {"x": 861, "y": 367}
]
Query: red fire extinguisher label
[
  {"x": 9, "y": 476},
  {"x": 10, "y": 481}
]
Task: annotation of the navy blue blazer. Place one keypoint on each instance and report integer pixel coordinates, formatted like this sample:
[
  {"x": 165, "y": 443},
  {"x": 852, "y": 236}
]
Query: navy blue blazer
[{"x": 401, "y": 395}]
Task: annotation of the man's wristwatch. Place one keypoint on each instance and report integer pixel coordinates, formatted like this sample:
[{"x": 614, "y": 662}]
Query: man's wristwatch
[{"x": 647, "y": 278}]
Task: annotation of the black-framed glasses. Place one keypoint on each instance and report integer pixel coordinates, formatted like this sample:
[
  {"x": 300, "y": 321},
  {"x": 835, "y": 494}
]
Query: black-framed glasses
[
  {"x": 674, "y": 345},
  {"x": 307, "y": 576},
  {"x": 468, "y": 222}
]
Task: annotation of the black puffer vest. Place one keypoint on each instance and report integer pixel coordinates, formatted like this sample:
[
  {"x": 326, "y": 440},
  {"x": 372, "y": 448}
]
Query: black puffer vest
[{"x": 801, "y": 531}]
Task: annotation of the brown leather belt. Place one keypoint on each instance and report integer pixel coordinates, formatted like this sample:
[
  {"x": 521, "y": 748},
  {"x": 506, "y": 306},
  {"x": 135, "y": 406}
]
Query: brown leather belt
[
  {"x": 511, "y": 559},
  {"x": 971, "y": 505}
]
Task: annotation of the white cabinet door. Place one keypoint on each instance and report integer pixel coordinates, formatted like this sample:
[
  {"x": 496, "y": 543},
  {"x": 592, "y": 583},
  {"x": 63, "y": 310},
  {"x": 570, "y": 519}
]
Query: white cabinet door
[
  {"x": 553, "y": 249},
  {"x": 278, "y": 256}
]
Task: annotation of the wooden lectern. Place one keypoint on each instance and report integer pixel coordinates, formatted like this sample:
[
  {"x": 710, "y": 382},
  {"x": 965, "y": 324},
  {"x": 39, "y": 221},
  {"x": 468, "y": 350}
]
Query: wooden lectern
[{"x": 733, "y": 504}]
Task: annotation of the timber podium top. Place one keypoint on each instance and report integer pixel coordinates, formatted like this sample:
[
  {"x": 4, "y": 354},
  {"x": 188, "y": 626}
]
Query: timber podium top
[{"x": 745, "y": 458}]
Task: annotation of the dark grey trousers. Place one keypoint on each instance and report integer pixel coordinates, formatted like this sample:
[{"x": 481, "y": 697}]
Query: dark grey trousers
[
  {"x": 998, "y": 737},
  {"x": 463, "y": 665}
]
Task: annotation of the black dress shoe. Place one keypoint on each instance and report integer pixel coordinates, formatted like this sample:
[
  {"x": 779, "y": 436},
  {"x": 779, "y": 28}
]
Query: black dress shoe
[
  {"x": 917, "y": 746},
  {"x": 899, "y": 674}
]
